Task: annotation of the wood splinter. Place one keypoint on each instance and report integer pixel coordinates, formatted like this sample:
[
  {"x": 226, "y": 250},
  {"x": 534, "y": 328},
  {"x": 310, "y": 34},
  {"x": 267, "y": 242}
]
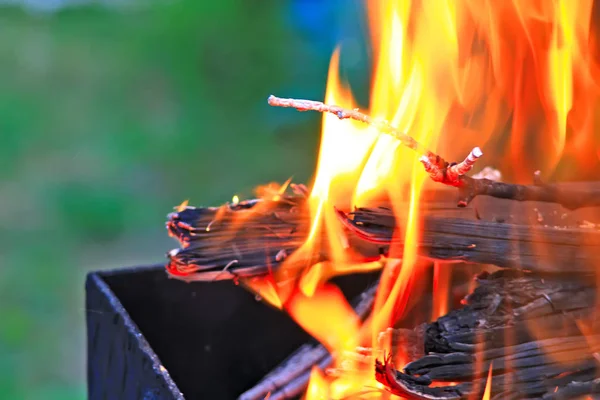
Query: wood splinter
[{"x": 453, "y": 174}]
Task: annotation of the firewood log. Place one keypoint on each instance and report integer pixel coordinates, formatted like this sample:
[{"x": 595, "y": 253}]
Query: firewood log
[
  {"x": 254, "y": 237},
  {"x": 528, "y": 328}
]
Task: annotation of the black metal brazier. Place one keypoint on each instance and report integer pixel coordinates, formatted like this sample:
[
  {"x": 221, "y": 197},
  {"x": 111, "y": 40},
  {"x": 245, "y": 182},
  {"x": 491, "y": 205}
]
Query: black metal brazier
[{"x": 151, "y": 337}]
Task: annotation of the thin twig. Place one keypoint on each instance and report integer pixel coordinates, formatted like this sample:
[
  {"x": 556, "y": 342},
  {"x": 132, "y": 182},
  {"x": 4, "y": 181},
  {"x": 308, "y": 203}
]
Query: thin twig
[
  {"x": 453, "y": 174},
  {"x": 342, "y": 113},
  {"x": 439, "y": 169}
]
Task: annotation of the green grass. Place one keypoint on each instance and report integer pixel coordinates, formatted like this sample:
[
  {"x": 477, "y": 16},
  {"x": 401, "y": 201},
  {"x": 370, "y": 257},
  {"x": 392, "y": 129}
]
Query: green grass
[{"x": 107, "y": 121}]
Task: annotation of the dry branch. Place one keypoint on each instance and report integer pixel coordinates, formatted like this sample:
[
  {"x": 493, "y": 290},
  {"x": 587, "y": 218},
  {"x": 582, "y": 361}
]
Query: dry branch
[
  {"x": 453, "y": 174},
  {"x": 570, "y": 198}
]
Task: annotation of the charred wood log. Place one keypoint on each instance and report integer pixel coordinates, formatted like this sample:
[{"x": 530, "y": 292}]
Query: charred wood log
[
  {"x": 537, "y": 248},
  {"x": 569, "y": 381},
  {"x": 504, "y": 306},
  {"x": 253, "y": 237},
  {"x": 528, "y": 328},
  {"x": 235, "y": 240},
  {"x": 577, "y": 388}
]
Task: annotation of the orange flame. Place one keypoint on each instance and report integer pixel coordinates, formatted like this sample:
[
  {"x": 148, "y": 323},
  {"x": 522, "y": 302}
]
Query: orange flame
[
  {"x": 327, "y": 316},
  {"x": 516, "y": 76}
]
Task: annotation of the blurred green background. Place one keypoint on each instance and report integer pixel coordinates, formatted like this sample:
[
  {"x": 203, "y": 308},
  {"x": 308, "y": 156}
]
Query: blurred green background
[{"x": 109, "y": 117}]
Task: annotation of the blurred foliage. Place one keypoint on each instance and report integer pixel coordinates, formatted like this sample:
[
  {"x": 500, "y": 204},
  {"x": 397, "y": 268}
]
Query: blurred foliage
[{"x": 109, "y": 119}]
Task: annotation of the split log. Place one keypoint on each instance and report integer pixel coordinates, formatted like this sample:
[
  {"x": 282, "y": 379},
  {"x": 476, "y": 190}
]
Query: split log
[
  {"x": 582, "y": 195},
  {"x": 528, "y": 328},
  {"x": 253, "y": 237}
]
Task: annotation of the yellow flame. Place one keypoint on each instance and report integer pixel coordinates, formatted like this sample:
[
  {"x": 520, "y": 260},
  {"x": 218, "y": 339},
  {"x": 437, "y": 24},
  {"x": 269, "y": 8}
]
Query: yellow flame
[
  {"x": 182, "y": 206},
  {"x": 318, "y": 388},
  {"x": 487, "y": 393}
]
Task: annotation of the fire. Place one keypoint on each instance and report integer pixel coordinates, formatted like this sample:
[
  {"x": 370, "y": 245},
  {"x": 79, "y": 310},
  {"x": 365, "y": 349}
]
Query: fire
[
  {"x": 442, "y": 275},
  {"x": 487, "y": 393},
  {"x": 340, "y": 331},
  {"x": 318, "y": 389},
  {"x": 455, "y": 75}
]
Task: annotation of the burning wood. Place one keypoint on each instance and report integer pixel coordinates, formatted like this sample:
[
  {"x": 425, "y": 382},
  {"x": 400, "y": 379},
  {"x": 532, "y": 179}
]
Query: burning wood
[
  {"x": 531, "y": 330},
  {"x": 289, "y": 379},
  {"x": 235, "y": 240},
  {"x": 528, "y": 328},
  {"x": 504, "y": 245},
  {"x": 253, "y": 238}
]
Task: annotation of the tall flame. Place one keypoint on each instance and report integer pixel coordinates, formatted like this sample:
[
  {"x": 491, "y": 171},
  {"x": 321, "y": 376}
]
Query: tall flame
[{"x": 516, "y": 75}]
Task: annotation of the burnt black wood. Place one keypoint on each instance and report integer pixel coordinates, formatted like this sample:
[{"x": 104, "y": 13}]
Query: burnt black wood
[
  {"x": 151, "y": 337},
  {"x": 512, "y": 234},
  {"x": 528, "y": 328}
]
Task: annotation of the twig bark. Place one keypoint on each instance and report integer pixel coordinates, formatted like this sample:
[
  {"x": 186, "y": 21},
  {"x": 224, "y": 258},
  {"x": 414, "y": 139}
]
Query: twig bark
[
  {"x": 453, "y": 174},
  {"x": 235, "y": 240}
]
